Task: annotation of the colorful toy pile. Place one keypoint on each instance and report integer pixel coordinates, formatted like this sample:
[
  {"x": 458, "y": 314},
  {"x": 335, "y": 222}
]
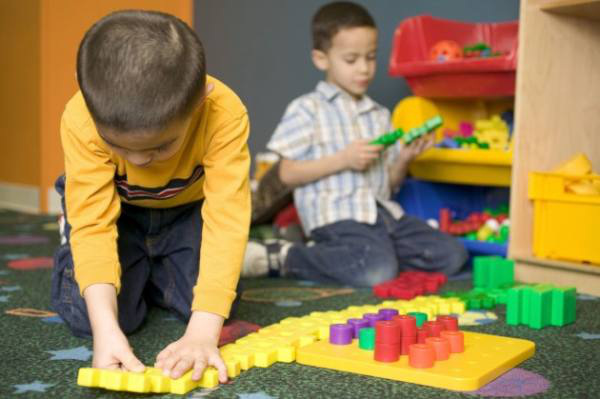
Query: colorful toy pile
[
  {"x": 390, "y": 335},
  {"x": 493, "y": 133},
  {"x": 491, "y": 225},
  {"x": 410, "y": 284}
]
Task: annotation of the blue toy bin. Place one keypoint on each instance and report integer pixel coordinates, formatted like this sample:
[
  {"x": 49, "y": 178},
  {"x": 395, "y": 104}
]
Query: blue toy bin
[{"x": 425, "y": 199}]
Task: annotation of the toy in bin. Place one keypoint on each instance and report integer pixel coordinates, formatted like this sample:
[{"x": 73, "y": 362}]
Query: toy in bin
[
  {"x": 417, "y": 40},
  {"x": 489, "y": 226}
]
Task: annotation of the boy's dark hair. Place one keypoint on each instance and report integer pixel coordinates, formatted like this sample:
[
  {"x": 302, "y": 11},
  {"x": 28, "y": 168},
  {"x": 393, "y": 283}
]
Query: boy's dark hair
[
  {"x": 333, "y": 17},
  {"x": 140, "y": 70}
]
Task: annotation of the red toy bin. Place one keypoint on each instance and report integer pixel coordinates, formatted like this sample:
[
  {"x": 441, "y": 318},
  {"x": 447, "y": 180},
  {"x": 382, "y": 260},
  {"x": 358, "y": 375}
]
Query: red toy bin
[{"x": 462, "y": 78}]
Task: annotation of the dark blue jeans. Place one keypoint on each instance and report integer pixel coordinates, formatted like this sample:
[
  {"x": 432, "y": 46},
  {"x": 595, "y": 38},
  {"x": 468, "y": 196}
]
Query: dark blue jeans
[
  {"x": 363, "y": 255},
  {"x": 159, "y": 255}
]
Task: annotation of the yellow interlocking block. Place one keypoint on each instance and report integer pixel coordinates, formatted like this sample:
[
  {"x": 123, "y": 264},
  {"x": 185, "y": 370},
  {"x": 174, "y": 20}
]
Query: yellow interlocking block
[
  {"x": 485, "y": 358},
  {"x": 275, "y": 343},
  {"x": 151, "y": 380}
]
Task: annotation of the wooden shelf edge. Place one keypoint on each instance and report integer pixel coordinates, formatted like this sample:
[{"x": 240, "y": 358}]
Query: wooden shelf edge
[
  {"x": 586, "y": 278},
  {"x": 578, "y": 8}
]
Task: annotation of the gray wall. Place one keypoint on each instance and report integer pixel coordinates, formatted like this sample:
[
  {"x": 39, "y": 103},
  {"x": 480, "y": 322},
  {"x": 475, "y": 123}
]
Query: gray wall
[{"x": 261, "y": 48}]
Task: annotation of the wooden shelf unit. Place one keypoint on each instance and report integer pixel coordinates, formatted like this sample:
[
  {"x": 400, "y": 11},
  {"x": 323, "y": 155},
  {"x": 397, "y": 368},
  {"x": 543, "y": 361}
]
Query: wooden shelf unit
[{"x": 557, "y": 114}]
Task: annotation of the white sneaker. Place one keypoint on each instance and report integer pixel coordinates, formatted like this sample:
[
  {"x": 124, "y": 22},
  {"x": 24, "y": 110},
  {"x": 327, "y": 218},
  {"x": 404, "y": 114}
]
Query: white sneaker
[{"x": 265, "y": 258}]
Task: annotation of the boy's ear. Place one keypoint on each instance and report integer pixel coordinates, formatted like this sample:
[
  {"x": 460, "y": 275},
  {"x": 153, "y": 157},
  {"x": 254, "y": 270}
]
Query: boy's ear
[
  {"x": 320, "y": 60},
  {"x": 208, "y": 88}
]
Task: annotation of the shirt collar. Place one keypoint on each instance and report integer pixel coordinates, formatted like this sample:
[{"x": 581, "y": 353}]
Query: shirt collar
[{"x": 331, "y": 91}]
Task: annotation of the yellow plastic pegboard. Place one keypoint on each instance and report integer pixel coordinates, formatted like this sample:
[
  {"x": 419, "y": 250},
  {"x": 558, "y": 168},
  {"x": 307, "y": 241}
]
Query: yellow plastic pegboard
[
  {"x": 485, "y": 358},
  {"x": 275, "y": 343}
]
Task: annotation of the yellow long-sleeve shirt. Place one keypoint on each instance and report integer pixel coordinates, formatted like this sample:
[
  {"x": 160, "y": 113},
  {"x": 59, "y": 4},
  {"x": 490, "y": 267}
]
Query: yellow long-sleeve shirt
[{"x": 212, "y": 164}]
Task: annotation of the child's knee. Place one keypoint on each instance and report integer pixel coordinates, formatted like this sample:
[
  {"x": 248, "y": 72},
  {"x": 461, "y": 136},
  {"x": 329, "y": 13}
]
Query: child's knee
[
  {"x": 376, "y": 272},
  {"x": 455, "y": 259}
]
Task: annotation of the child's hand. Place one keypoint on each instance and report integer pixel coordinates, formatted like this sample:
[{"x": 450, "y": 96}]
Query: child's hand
[
  {"x": 112, "y": 351},
  {"x": 197, "y": 349},
  {"x": 359, "y": 154},
  {"x": 415, "y": 148}
]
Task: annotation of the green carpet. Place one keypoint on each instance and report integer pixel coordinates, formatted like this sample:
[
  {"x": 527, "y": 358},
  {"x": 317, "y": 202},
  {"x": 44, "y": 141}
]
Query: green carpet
[{"x": 568, "y": 358}]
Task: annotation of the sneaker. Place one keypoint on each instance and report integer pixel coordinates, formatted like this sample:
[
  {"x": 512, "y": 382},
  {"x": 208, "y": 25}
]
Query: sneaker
[{"x": 265, "y": 258}]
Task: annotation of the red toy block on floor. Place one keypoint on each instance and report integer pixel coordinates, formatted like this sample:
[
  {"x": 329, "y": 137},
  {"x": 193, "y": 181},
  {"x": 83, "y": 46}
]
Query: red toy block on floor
[{"x": 410, "y": 284}]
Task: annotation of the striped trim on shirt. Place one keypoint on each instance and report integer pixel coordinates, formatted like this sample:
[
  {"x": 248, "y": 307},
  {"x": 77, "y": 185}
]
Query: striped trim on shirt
[{"x": 169, "y": 190}]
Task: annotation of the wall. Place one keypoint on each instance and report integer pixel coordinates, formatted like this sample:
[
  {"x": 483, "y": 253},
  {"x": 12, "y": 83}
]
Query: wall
[
  {"x": 41, "y": 70},
  {"x": 261, "y": 48},
  {"x": 20, "y": 93}
]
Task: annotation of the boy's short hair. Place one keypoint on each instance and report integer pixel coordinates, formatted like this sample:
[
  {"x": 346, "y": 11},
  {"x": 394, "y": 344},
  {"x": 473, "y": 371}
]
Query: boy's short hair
[
  {"x": 333, "y": 17},
  {"x": 140, "y": 70}
]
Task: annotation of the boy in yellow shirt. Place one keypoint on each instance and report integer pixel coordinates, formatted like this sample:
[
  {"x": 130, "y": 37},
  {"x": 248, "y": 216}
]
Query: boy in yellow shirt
[{"x": 155, "y": 193}]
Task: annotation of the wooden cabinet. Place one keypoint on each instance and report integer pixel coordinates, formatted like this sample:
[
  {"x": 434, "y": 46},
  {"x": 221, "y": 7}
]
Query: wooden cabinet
[{"x": 557, "y": 113}]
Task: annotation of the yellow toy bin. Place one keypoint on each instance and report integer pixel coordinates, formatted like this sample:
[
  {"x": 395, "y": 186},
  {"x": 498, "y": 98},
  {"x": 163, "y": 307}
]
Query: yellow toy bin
[
  {"x": 465, "y": 166},
  {"x": 566, "y": 226}
]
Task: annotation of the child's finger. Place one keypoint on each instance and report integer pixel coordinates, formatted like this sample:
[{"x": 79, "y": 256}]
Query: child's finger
[
  {"x": 168, "y": 364},
  {"x": 217, "y": 362},
  {"x": 132, "y": 363},
  {"x": 199, "y": 366},
  {"x": 181, "y": 367}
]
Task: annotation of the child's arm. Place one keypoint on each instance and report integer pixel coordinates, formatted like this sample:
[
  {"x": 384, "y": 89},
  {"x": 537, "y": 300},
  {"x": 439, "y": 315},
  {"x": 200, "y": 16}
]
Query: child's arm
[
  {"x": 111, "y": 348},
  {"x": 357, "y": 156},
  {"x": 399, "y": 167},
  {"x": 196, "y": 349}
]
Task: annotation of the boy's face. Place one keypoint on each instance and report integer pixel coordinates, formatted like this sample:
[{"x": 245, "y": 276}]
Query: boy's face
[
  {"x": 350, "y": 61},
  {"x": 143, "y": 148},
  {"x": 146, "y": 147}
]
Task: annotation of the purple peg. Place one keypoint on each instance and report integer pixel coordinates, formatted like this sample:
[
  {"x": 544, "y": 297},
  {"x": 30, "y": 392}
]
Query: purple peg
[
  {"x": 357, "y": 324},
  {"x": 372, "y": 318},
  {"x": 388, "y": 314},
  {"x": 340, "y": 334}
]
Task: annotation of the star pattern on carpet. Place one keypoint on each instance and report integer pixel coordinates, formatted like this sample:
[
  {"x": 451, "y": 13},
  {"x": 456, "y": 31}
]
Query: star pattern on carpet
[
  {"x": 80, "y": 353},
  {"x": 586, "y": 335},
  {"x": 35, "y": 386},
  {"x": 255, "y": 395},
  {"x": 10, "y": 288}
]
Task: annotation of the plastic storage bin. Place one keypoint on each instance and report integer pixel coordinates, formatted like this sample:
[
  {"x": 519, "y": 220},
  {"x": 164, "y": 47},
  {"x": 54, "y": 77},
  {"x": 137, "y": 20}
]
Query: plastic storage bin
[
  {"x": 468, "y": 77},
  {"x": 565, "y": 225},
  {"x": 425, "y": 199},
  {"x": 479, "y": 167}
]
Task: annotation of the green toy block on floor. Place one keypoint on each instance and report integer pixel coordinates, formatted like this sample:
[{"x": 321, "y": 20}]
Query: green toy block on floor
[
  {"x": 540, "y": 305},
  {"x": 475, "y": 299},
  {"x": 493, "y": 272}
]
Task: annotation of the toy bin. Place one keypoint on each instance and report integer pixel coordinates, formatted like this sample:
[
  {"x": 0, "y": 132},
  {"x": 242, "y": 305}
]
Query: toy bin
[
  {"x": 425, "y": 199},
  {"x": 565, "y": 225},
  {"x": 456, "y": 78}
]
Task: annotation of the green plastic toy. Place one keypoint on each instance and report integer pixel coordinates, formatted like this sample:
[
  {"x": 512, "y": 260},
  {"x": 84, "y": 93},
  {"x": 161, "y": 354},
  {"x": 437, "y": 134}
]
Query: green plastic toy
[{"x": 390, "y": 138}]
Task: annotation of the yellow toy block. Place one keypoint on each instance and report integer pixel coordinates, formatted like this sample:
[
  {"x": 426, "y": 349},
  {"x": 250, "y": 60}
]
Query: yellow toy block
[
  {"x": 150, "y": 381},
  {"x": 485, "y": 358}
]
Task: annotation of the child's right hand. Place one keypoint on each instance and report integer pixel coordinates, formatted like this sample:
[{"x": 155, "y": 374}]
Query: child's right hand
[
  {"x": 112, "y": 351},
  {"x": 359, "y": 155}
]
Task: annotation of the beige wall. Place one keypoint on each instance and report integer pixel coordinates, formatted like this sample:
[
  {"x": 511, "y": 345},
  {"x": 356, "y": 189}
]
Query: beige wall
[{"x": 40, "y": 77}]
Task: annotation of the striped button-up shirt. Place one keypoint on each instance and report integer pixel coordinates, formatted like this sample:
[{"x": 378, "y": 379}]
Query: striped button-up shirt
[{"x": 322, "y": 123}]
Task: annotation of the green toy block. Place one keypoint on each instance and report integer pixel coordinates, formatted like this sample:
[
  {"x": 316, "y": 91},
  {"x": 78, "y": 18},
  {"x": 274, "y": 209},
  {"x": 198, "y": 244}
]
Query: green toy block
[
  {"x": 563, "y": 306},
  {"x": 540, "y": 313},
  {"x": 493, "y": 272},
  {"x": 540, "y": 305},
  {"x": 513, "y": 305}
]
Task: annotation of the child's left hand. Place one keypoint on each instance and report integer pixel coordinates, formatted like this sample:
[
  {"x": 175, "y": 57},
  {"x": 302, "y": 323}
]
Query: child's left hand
[
  {"x": 415, "y": 148},
  {"x": 197, "y": 349}
]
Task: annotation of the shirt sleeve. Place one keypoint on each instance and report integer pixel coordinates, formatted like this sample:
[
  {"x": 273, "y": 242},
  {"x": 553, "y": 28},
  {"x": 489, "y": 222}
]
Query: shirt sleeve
[
  {"x": 292, "y": 138},
  {"x": 226, "y": 216},
  {"x": 92, "y": 208}
]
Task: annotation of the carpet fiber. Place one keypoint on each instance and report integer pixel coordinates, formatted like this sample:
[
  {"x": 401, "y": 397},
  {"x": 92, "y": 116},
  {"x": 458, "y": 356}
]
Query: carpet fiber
[{"x": 41, "y": 357}]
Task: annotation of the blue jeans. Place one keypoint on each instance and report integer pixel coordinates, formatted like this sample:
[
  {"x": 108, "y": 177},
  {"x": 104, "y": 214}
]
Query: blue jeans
[
  {"x": 159, "y": 255},
  {"x": 363, "y": 255}
]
